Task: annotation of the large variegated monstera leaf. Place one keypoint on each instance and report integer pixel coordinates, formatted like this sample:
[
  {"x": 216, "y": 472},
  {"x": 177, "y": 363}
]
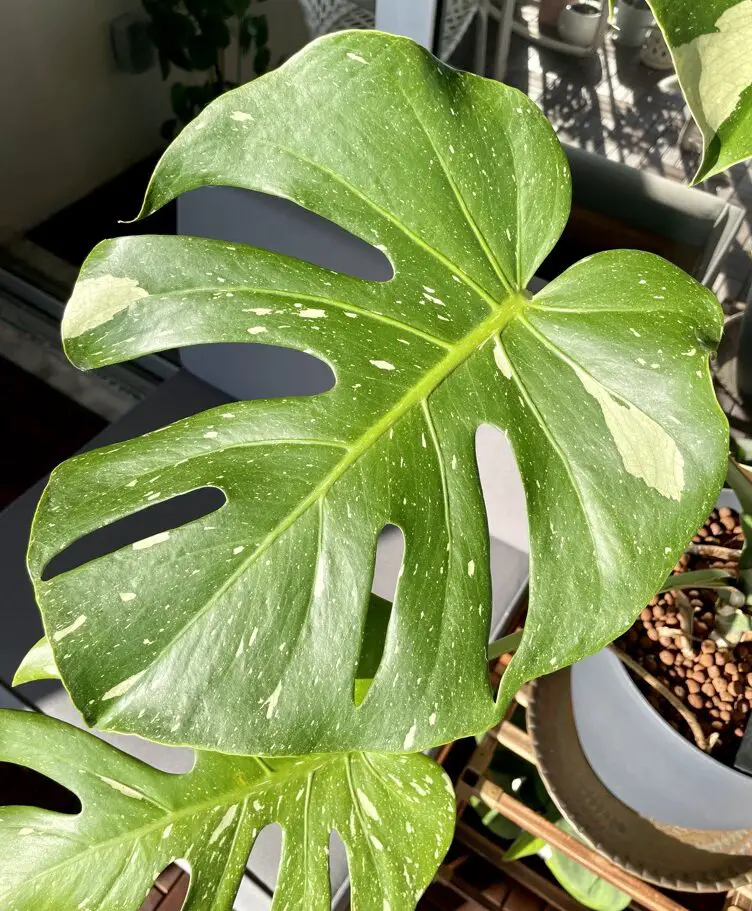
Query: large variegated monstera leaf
[
  {"x": 241, "y": 632},
  {"x": 395, "y": 815},
  {"x": 710, "y": 44}
]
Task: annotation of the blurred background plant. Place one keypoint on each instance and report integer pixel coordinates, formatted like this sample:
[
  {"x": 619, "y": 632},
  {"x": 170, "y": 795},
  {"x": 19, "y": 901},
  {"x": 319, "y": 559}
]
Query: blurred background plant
[
  {"x": 194, "y": 35},
  {"x": 518, "y": 777}
]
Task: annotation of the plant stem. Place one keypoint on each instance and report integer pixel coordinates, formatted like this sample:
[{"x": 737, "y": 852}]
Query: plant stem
[
  {"x": 505, "y": 644},
  {"x": 662, "y": 690},
  {"x": 686, "y": 613},
  {"x": 701, "y": 578},
  {"x": 715, "y": 551}
]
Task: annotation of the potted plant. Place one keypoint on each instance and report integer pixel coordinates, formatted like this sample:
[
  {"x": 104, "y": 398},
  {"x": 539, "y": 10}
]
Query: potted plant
[
  {"x": 249, "y": 634},
  {"x": 634, "y": 18},
  {"x": 578, "y": 23},
  {"x": 690, "y": 651}
]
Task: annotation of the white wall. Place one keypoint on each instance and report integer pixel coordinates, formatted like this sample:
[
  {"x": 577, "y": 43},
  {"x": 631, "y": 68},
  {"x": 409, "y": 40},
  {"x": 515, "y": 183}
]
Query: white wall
[{"x": 69, "y": 120}]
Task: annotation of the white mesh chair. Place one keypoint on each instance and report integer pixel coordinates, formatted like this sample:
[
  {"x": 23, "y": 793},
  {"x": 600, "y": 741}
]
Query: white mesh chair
[{"x": 324, "y": 16}]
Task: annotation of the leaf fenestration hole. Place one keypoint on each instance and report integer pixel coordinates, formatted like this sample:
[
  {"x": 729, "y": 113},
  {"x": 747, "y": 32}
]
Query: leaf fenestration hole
[
  {"x": 266, "y": 855},
  {"x": 390, "y": 553},
  {"x": 338, "y": 868},
  {"x": 281, "y": 226},
  {"x": 170, "y": 888},
  {"x": 165, "y": 516},
  {"x": 506, "y": 514},
  {"x": 501, "y": 482},
  {"x": 25, "y": 787}
]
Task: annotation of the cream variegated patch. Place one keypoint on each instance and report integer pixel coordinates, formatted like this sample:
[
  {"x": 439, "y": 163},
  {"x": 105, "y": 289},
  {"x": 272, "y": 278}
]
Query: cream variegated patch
[
  {"x": 717, "y": 67},
  {"x": 97, "y": 300},
  {"x": 646, "y": 450}
]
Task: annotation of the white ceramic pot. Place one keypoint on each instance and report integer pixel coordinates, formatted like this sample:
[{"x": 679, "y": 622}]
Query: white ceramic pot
[
  {"x": 643, "y": 761},
  {"x": 632, "y": 24},
  {"x": 578, "y": 23}
]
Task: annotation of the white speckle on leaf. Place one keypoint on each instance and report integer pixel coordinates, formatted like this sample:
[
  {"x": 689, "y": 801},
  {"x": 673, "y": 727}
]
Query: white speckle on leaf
[
  {"x": 432, "y": 719},
  {"x": 382, "y": 365},
  {"x": 501, "y": 359},
  {"x": 256, "y": 330},
  {"x": 272, "y": 701},
  {"x": 211, "y": 435},
  {"x": 471, "y": 568},
  {"x": 121, "y": 688},
  {"x": 97, "y": 300},
  {"x": 253, "y": 635},
  {"x": 365, "y": 802},
  {"x": 239, "y": 549},
  {"x": 312, "y": 313},
  {"x": 376, "y": 843},
  {"x": 691, "y": 353},
  {"x": 224, "y": 824},
  {"x": 125, "y": 597},
  {"x": 410, "y": 737},
  {"x": 241, "y": 116},
  {"x": 123, "y": 788},
  {"x": 356, "y": 57},
  {"x": 145, "y": 543},
  {"x": 66, "y": 631},
  {"x": 635, "y": 332},
  {"x": 259, "y": 311},
  {"x": 167, "y": 832}
]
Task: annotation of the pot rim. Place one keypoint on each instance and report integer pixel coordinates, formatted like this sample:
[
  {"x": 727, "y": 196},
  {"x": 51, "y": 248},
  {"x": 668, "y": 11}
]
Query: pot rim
[{"x": 633, "y": 764}]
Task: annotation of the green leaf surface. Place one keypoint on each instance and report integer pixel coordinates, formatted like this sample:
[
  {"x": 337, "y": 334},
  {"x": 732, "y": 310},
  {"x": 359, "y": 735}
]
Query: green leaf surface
[
  {"x": 701, "y": 578},
  {"x": 583, "y": 885},
  {"x": 523, "y": 846},
  {"x": 38, "y": 664},
  {"x": 601, "y": 383},
  {"x": 710, "y": 44},
  {"x": 395, "y": 815}
]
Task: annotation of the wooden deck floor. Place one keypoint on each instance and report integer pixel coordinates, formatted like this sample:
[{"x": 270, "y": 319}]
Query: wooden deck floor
[{"x": 614, "y": 105}]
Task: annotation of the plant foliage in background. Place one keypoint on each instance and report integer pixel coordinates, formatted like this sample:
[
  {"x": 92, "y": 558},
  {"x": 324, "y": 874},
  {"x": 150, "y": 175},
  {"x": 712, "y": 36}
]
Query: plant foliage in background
[
  {"x": 520, "y": 778},
  {"x": 243, "y": 632},
  {"x": 710, "y": 44},
  {"x": 192, "y": 35}
]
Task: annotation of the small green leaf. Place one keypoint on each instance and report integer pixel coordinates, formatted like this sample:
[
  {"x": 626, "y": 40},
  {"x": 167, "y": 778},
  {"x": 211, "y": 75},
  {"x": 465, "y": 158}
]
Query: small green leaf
[
  {"x": 261, "y": 60},
  {"x": 701, "y": 578},
  {"x": 710, "y": 43},
  {"x": 395, "y": 815},
  {"x": 586, "y": 887},
  {"x": 494, "y": 821},
  {"x": 261, "y": 29},
  {"x": 523, "y": 846},
  {"x": 39, "y": 664}
]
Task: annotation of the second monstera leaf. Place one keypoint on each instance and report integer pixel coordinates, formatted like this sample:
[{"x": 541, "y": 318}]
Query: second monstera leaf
[
  {"x": 242, "y": 632},
  {"x": 710, "y": 45},
  {"x": 395, "y": 815}
]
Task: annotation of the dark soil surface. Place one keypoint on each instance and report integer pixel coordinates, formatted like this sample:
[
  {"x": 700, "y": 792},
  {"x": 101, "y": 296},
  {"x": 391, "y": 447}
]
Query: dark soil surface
[{"x": 714, "y": 683}]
